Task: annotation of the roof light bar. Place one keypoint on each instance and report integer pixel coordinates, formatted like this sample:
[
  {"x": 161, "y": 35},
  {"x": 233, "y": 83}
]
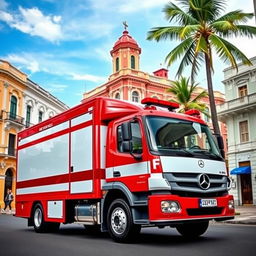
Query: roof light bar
[
  {"x": 160, "y": 103},
  {"x": 193, "y": 112}
]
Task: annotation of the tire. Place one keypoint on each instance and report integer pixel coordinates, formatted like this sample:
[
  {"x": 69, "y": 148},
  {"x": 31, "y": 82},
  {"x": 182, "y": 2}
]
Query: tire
[
  {"x": 40, "y": 225},
  {"x": 120, "y": 223},
  {"x": 193, "y": 230}
]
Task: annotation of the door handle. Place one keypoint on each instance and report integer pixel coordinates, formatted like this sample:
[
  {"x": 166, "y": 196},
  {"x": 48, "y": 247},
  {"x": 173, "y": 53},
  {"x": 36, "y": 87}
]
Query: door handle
[
  {"x": 116, "y": 174},
  {"x": 71, "y": 168}
]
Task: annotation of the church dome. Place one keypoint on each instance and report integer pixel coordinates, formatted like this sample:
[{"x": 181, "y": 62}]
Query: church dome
[{"x": 125, "y": 41}]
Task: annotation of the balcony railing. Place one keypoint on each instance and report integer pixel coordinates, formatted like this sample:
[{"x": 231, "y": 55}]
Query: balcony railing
[
  {"x": 7, "y": 151},
  {"x": 13, "y": 118},
  {"x": 238, "y": 103}
]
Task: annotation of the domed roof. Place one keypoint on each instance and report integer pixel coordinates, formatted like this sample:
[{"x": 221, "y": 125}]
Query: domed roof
[{"x": 125, "y": 41}]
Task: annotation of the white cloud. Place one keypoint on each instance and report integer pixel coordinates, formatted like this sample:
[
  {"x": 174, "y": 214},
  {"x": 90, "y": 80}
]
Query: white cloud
[
  {"x": 34, "y": 22},
  {"x": 6, "y": 17},
  {"x": 133, "y": 6},
  {"x": 87, "y": 77},
  {"x": 56, "y": 88},
  {"x": 24, "y": 61},
  {"x": 42, "y": 62}
]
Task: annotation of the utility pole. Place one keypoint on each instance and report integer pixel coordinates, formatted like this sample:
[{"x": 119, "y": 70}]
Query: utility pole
[{"x": 254, "y": 5}]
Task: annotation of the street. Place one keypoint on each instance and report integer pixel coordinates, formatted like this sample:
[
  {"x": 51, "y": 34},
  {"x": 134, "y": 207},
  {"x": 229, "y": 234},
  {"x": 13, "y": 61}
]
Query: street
[{"x": 221, "y": 239}]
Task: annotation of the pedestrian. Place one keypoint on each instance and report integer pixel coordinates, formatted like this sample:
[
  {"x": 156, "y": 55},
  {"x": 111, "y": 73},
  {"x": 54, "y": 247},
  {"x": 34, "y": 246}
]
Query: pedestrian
[{"x": 8, "y": 200}]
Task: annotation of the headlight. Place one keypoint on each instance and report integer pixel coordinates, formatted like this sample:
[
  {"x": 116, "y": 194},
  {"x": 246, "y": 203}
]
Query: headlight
[
  {"x": 170, "y": 206},
  {"x": 231, "y": 205}
]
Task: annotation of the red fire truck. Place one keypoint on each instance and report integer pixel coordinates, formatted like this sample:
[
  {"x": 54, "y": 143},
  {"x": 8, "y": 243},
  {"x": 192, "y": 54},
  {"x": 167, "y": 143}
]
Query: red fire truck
[{"x": 117, "y": 167}]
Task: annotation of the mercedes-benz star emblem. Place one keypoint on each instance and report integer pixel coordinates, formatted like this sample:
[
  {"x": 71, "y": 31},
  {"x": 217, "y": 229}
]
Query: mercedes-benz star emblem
[
  {"x": 204, "y": 181},
  {"x": 201, "y": 163}
]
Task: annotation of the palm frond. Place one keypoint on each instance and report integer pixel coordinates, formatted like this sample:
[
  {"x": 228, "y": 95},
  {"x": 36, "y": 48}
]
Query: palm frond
[
  {"x": 222, "y": 49},
  {"x": 172, "y": 12},
  {"x": 188, "y": 29},
  {"x": 205, "y": 10},
  {"x": 228, "y": 51},
  {"x": 201, "y": 95},
  {"x": 234, "y": 17},
  {"x": 179, "y": 50},
  {"x": 164, "y": 33},
  {"x": 244, "y": 30}
]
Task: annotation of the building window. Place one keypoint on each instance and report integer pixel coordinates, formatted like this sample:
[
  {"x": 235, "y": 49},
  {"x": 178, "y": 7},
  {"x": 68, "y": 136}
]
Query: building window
[
  {"x": 135, "y": 96},
  {"x": 117, "y": 96},
  {"x": 206, "y": 115},
  {"x": 132, "y": 62},
  {"x": 243, "y": 128},
  {"x": 117, "y": 64},
  {"x": 13, "y": 107},
  {"x": 242, "y": 91},
  {"x": 11, "y": 145},
  {"x": 28, "y": 116},
  {"x": 40, "y": 116}
]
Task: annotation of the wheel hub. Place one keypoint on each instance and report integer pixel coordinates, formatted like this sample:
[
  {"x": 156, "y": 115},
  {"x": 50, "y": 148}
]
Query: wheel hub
[
  {"x": 118, "y": 220},
  {"x": 38, "y": 217}
]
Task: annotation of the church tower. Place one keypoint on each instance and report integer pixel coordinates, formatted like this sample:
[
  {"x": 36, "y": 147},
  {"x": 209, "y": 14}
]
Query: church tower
[{"x": 125, "y": 53}]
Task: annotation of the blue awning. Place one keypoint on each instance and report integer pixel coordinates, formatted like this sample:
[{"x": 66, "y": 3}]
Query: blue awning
[{"x": 241, "y": 170}]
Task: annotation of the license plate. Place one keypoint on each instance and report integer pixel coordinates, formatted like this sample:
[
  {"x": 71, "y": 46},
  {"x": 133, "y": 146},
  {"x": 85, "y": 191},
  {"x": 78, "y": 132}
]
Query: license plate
[{"x": 208, "y": 202}]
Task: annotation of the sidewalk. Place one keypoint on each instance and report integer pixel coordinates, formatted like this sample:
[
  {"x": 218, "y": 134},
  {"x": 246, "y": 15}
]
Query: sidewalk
[{"x": 244, "y": 215}]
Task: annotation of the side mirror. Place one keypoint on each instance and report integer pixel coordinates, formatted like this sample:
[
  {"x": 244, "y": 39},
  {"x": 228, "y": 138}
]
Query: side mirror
[
  {"x": 220, "y": 144},
  {"x": 127, "y": 146},
  {"x": 126, "y": 131}
]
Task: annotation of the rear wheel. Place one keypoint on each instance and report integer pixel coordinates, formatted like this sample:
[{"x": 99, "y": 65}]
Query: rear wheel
[
  {"x": 120, "y": 223},
  {"x": 193, "y": 230},
  {"x": 40, "y": 225}
]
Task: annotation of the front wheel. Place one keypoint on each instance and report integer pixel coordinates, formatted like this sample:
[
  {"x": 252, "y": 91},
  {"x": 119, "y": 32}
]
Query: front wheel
[
  {"x": 193, "y": 230},
  {"x": 120, "y": 223}
]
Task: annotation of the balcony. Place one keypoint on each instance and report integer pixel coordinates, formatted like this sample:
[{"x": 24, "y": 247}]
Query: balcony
[
  {"x": 12, "y": 119},
  {"x": 7, "y": 152},
  {"x": 237, "y": 106}
]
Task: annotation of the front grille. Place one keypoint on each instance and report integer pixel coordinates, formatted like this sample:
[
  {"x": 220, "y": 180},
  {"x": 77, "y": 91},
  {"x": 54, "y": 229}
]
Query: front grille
[
  {"x": 189, "y": 183},
  {"x": 204, "y": 211}
]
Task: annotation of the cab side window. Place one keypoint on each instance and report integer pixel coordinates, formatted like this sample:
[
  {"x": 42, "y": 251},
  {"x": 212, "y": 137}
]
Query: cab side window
[{"x": 136, "y": 138}]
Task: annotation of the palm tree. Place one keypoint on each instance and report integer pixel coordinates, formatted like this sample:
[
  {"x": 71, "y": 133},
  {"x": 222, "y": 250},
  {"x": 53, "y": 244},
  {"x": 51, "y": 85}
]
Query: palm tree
[
  {"x": 184, "y": 92},
  {"x": 202, "y": 29}
]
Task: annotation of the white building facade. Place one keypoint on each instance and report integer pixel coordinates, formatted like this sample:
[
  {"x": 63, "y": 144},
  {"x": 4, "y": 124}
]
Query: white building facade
[
  {"x": 239, "y": 114},
  {"x": 39, "y": 104}
]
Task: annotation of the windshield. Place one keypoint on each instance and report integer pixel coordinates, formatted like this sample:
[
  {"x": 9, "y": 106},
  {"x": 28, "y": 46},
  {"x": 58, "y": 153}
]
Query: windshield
[{"x": 181, "y": 138}]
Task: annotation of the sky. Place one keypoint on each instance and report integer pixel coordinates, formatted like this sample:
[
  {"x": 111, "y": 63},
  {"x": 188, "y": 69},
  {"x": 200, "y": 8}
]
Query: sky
[{"x": 64, "y": 45}]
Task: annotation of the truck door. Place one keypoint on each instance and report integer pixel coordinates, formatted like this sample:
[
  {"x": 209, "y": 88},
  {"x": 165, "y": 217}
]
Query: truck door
[
  {"x": 130, "y": 168},
  {"x": 81, "y": 153}
]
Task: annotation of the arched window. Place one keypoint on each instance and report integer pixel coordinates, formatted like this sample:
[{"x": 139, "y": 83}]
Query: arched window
[
  {"x": 13, "y": 107},
  {"x": 135, "y": 96},
  {"x": 117, "y": 64},
  {"x": 132, "y": 62},
  {"x": 40, "y": 116},
  {"x": 117, "y": 96}
]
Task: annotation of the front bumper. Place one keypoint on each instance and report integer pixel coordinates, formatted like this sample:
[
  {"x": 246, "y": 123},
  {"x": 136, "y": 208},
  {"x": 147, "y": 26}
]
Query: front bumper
[{"x": 190, "y": 209}]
